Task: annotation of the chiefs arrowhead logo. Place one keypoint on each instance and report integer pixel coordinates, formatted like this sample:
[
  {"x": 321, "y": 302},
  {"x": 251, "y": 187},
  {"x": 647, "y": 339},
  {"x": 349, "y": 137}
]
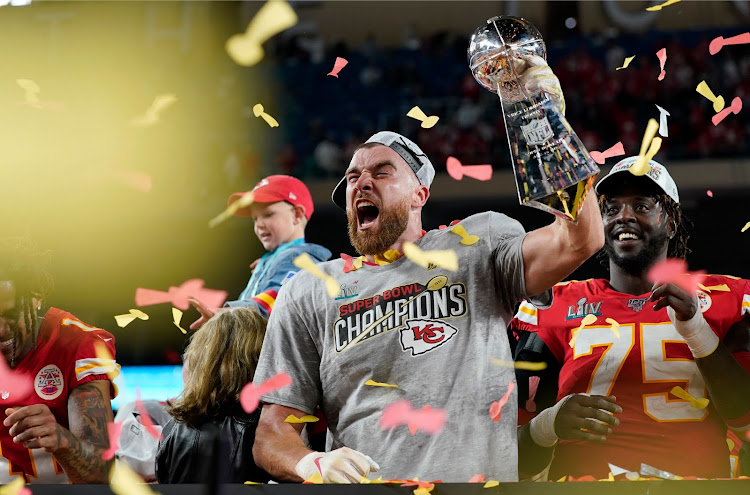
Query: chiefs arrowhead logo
[{"x": 424, "y": 335}]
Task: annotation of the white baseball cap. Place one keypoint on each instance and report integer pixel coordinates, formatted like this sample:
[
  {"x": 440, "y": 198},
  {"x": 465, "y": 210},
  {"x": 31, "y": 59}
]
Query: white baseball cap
[
  {"x": 407, "y": 149},
  {"x": 657, "y": 173}
]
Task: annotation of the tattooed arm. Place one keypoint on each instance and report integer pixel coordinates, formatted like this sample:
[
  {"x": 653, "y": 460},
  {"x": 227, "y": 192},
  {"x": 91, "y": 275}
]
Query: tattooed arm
[{"x": 78, "y": 450}]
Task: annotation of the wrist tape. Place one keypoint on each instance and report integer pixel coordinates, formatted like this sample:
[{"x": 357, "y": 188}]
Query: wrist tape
[
  {"x": 701, "y": 340},
  {"x": 542, "y": 427}
]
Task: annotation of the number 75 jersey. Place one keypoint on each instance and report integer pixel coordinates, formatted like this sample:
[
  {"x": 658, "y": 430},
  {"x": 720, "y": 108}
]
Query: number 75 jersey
[{"x": 639, "y": 363}]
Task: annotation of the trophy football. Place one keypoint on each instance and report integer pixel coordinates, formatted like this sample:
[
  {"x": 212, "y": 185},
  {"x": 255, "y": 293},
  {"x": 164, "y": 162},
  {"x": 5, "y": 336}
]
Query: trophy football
[{"x": 552, "y": 168}]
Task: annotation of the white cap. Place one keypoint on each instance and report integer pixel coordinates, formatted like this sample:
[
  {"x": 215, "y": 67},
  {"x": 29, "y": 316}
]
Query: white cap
[
  {"x": 407, "y": 149},
  {"x": 657, "y": 173}
]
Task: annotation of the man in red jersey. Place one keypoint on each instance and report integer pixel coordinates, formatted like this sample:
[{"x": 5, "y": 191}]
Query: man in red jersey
[
  {"x": 614, "y": 382},
  {"x": 56, "y": 430}
]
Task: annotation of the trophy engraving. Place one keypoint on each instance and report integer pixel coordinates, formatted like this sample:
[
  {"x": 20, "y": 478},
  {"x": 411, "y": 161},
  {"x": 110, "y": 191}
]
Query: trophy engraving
[{"x": 552, "y": 168}]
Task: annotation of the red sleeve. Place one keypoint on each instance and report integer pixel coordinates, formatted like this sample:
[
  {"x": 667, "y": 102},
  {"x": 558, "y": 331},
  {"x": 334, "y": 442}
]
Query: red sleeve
[{"x": 90, "y": 342}]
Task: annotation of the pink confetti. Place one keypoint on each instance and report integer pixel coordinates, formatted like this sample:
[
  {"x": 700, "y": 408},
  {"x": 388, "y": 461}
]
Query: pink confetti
[
  {"x": 145, "y": 418},
  {"x": 615, "y": 150},
  {"x": 113, "y": 430},
  {"x": 140, "y": 181},
  {"x": 399, "y": 413},
  {"x": 14, "y": 385},
  {"x": 662, "y": 54},
  {"x": 178, "y": 296},
  {"x": 478, "y": 172},
  {"x": 477, "y": 478},
  {"x": 337, "y": 66},
  {"x": 734, "y": 108},
  {"x": 533, "y": 385},
  {"x": 674, "y": 271},
  {"x": 250, "y": 395},
  {"x": 719, "y": 42},
  {"x": 710, "y": 194},
  {"x": 496, "y": 409}
]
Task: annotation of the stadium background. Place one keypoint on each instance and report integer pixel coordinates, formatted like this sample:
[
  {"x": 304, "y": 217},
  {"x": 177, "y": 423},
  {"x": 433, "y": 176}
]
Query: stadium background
[{"x": 67, "y": 176}]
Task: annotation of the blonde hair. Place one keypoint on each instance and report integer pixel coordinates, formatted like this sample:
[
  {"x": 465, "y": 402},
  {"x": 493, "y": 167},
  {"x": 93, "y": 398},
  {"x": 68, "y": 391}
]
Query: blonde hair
[{"x": 223, "y": 355}]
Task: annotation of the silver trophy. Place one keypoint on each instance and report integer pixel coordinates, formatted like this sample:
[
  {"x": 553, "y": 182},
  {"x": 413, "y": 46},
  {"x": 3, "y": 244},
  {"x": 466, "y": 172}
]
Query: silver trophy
[{"x": 553, "y": 169}]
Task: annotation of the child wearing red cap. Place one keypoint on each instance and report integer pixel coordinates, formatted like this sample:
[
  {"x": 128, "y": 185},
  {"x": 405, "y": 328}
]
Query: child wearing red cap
[{"x": 281, "y": 207}]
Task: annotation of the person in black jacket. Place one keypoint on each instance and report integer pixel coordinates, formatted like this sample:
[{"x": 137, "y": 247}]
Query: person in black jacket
[{"x": 210, "y": 438}]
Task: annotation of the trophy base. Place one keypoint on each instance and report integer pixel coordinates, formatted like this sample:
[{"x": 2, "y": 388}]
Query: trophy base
[{"x": 566, "y": 203}]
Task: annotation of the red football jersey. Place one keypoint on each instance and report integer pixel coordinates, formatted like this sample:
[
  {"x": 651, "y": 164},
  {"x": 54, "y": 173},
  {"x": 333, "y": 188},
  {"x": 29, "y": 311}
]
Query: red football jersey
[
  {"x": 64, "y": 358},
  {"x": 639, "y": 367}
]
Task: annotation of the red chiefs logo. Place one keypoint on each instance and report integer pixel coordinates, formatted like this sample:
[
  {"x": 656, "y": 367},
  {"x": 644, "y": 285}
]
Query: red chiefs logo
[{"x": 422, "y": 336}]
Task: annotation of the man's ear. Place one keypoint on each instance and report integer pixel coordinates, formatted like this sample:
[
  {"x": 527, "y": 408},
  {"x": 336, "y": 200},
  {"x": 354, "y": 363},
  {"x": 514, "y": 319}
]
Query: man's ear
[
  {"x": 36, "y": 302},
  {"x": 671, "y": 227},
  {"x": 421, "y": 194},
  {"x": 299, "y": 214}
]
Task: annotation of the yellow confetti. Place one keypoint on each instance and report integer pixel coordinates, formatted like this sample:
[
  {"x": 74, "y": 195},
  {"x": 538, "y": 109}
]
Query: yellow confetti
[
  {"x": 31, "y": 91},
  {"x": 315, "y": 479},
  {"x": 659, "y": 7},
  {"x": 418, "y": 114},
  {"x": 305, "y": 262},
  {"x": 124, "y": 481},
  {"x": 730, "y": 444},
  {"x": 376, "y": 481},
  {"x": 491, "y": 484},
  {"x": 423, "y": 491},
  {"x": 275, "y": 16},
  {"x": 466, "y": 239},
  {"x": 103, "y": 354},
  {"x": 258, "y": 111},
  {"x": 587, "y": 320},
  {"x": 252, "y": 483},
  {"x": 244, "y": 201},
  {"x": 694, "y": 403},
  {"x": 373, "y": 383},
  {"x": 706, "y": 92},
  {"x": 615, "y": 327},
  {"x": 747, "y": 226},
  {"x": 562, "y": 479},
  {"x": 519, "y": 365},
  {"x": 13, "y": 488},
  {"x": 626, "y": 63},
  {"x": 443, "y": 258},
  {"x": 126, "y": 319},
  {"x": 649, "y": 147},
  {"x": 151, "y": 117},
  {"x": 717, "y": 288},
  {"x": 304, "y": 419},
  {"x": 177, "y": 317}
]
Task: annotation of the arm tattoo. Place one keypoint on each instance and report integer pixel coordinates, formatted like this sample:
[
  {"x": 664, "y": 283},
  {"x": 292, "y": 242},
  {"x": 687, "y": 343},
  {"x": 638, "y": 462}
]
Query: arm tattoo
[{"x": 88, "y": 412}]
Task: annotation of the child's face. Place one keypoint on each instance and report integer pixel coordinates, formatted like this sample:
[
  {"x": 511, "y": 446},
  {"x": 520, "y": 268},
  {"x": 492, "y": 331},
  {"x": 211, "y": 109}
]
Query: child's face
[{"x": 275, "y": 223}]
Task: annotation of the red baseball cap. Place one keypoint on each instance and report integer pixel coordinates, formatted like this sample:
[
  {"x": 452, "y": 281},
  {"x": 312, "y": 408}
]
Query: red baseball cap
[{"x": 275, "y": 188}]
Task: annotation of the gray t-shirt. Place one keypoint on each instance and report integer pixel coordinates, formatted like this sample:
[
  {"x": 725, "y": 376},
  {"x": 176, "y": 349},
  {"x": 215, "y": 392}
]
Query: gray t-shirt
[{"x": 435, "y": 342}]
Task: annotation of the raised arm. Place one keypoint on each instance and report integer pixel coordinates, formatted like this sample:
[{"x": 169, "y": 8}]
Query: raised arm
[{"x": 553, "y": 252}]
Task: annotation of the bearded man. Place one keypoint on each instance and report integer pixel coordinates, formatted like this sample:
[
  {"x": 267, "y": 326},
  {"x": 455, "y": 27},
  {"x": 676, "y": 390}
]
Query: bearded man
[{"x": 430, "y": 331}]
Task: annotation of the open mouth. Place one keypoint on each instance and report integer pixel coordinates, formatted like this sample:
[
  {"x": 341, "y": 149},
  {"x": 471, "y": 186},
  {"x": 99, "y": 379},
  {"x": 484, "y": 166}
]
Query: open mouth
[
  {"x": 367, "y": 213},
  {"x": 4, "y": 344},
  {"x": 627, "y": 237}
]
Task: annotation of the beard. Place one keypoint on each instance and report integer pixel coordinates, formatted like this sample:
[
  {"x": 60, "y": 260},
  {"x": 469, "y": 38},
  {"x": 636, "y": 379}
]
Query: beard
[
  {"x": 641, "y": 261},
  {"x": 392, "y": 223}
]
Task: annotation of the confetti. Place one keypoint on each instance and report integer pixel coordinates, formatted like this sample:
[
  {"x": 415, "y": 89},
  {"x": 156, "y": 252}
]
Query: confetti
[
  {"x": 519, "y": 365},
  {"x": 709, "y": 193},
  {"x": 445, "y": 258},
  {"x": 533, "y": 386},
  {"x": 373, "y": 383},
  {"x": 477, "y": 478},
  {"x": 31, "y": 97},
  {"x": 615, "y": 327},
  {"x": 626, "y": 63},
  {"x": 337, "y": 66},
  {"x": 694, "y": 403},
  {"x": 252, "y": 483},
  {"x": 659, "y": 7},
  {"x": 250, "y": 395},
  {"x": 243, "y": 202},
  {"x": 177, "y": 318},
  {"x": 126, "y": 319},
  {"x": 747, "y": 226},
  {"x": 304, "y": 419},
  {"x": 720, "y": 42},
  {"x": 734, "y": 108},
  {"x": 466, "y": 239},
  {"x": 662, "y": 55},
  {"x": 179, "y": 296},
  {"x": 615, "y": 150},
  {"x": 103, "y": 354},
  {"x": 151, "y": 117},
  {"x": 124, "y": 481},
  {"x": 305, "y": 262},
  {"x": 399, "y": 413},
  {"x": 258, "y": 111},
  {"x": 315, "y": 479},
  {"x": 491, "y": 484},
  {"x": 650, "y": 143},
  {"x": 674, "y": 271},
  {"x": 113, "y": 431},
  {"x": 718, "y": 288},
  {"x": 587, "y": 320},
  {"x": 663, "y": 114},
  {"x": 457, "y": 170},
  {"x": 275, "y": 16},
  {"x": 13, "y": 384},
  {"x": 706, "y": 92},
  {"x": 144, "y": 417},
  {"x": 418, "y": 114},
  {"x": 496, "y": 408}
]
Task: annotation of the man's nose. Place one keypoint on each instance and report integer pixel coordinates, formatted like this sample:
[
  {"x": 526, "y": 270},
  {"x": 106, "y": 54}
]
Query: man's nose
[
  {"x": 364, "y": 183},
  {"x": 626, "y": 214}
]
